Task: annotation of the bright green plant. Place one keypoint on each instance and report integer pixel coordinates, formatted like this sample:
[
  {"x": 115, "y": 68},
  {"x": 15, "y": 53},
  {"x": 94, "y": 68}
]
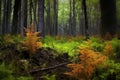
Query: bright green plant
[
  {"x": 5, "y": 72},
  {"x": 111, "y": 70},
  {"x": 52, "y": 77}
]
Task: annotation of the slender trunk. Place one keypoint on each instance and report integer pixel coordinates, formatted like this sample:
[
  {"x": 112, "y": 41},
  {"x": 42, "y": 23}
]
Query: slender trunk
[
  {"x": 55, "y": 17},
  {"x": 86, "y": 19},
  {"x": 74, "y": 18},
  {"x": 4, "y": 18},
  {"x": 30, "y": 6},
  {"x": 25, "y": 12},
  {"x": 41, "y": 16},
  {"x": 0, "y": 16},
  {"x": 8, "y": 15},
  {"x": 22, "y": 17},
  {"x": 15, "y": 16},
  {"x": 48, "y": 25},
  {"x": 70, "y": 19},
  {"x": 34, "y": 11}
]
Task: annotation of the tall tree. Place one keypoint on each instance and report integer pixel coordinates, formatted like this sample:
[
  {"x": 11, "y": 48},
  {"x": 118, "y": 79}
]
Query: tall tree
[
  {"x": 70, "y": 19},
  {"x": 25, "y": 12},
  {"x": 17, "y": 5},
  {"x": 74, "y": 18},
  {"x": 30, "y": 10},
  {"x": 55, "y": 17},
  {"x": 0, "y": 16},
  {"x": 86, "y": 19},
  {"x": 8, "y": 16},
  {"x": 41, "y": 16},
  {"x": 23, "y": 16},
  {"x": 48, "y": 24},
  {"x": 108, "y": 16},
  {"x": 4, "y": 18},
  {"x": 34, "y": 11}
]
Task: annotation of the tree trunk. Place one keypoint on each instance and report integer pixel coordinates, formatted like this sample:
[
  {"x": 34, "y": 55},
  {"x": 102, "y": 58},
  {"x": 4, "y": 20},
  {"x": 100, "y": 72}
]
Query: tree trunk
[
  {"x": 41, "y": 16},
  {"x": 108, "y": 16},
  {"x": 86, "y": 19},
  {"x": 55, "y": 17},
  {"x": 0, "y": 16},
  {"x": 4, "y": 18},
  {"x": 25, "y": 12},
  {"x": 70, "y": 19},
  {"x": 74, "y": 18},
  {"x": 15, "y": 16},
  {"x": 34, "y": 11},
  {"x": 22, "y": 17},
  {"x": 8, "y": 15},
  {"x": 30, "y": 10},
  {"x": 48, "y": 25}
]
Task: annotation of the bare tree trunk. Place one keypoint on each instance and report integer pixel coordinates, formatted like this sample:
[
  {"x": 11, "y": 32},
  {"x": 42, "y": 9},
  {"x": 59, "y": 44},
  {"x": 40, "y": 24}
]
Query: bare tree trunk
[
  {"x": 41, "y": 16},
  {"x": 4, "y": 18},
  {"x": 30, "y": 5},
  {"x": 25, "y": 12},
  {"x": 8, "y": 15},
  {"x": 74, "y": 18},
  {"x": 55, "y": 17},
  {"x": 22, "y": 17},
  {"x": 48, "y": 25},
  {"x": 86, "y": 19},
  {"x": 34, "y": 11},
  {"x": 0, "y": 16},
  {"x": 108, "y": 16},
  {"x": 15, "y": 16},
  {"x": 70, "y": 19}
]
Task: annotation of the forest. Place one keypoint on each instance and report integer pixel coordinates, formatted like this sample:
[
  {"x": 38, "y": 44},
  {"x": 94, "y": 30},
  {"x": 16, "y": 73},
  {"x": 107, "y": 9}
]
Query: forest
[{"x": 59, "y": 39}]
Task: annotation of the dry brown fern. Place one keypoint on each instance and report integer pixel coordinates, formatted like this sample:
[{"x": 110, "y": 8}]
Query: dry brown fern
[
  {"x": 31, "y": 42},
  {"x": 108, "y": 49},
  {"x": 90, "y": 60}
]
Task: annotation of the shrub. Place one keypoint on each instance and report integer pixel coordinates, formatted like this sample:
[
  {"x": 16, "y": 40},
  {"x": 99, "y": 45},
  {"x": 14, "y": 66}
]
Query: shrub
[{"x": 90, "y": 61}]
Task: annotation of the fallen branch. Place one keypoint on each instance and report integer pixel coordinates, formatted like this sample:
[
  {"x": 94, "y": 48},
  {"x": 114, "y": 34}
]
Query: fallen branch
[{"x": 48, "y": 68}]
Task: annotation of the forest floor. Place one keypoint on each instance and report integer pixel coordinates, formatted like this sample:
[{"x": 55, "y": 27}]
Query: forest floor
[
  {"x": 45, "y": 61},
  {"x": 50, "y": 60}
]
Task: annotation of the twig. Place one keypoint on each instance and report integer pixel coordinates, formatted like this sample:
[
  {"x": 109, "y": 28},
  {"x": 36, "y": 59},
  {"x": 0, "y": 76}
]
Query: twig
[{"x": 48, "y": 68}]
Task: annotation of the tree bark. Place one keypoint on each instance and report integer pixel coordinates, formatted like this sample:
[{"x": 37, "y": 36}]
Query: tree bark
[
  {"x": 86, "y": 19},
  {"x": 15, "y": 16},
  {"x": 0, "y": 16},
  {"x": 108, "y": 17},
  {"x": 8, "y": 16},
  {"x": 22, "y": 17},
  {"x": 48, "y": 25},
  {"x": 34, "y": 11},
  {"x": 74, "y": 18},
  {"x": 41, "y": 17},
  {"x": 4, "y": 18},
  {"x": 55, "y": 17},
  {"x": 30, "y": 10},
  {"x": 70, "y": 19}
]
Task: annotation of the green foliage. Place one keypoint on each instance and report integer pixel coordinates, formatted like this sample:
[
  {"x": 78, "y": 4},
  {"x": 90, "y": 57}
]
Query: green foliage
[
  {"x": 116, "y": 46},
  {"x": 25, "y": 78},
  {"x": 61, "y": 45},
  {"x": 52, "y": 77},
  {"x": 112, "y": 70},
  {"x": 6, "y": 73}
]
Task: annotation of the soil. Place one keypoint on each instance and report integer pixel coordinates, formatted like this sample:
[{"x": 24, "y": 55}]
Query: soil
[{"x": 45, "y": 61}]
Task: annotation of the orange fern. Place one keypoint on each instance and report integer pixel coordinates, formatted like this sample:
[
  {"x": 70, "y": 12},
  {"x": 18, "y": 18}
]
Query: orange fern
[
  {"x": 31, "y": 42},
  {"x": 90, "y": 60},
  {"x": 108, "y": 50}
]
